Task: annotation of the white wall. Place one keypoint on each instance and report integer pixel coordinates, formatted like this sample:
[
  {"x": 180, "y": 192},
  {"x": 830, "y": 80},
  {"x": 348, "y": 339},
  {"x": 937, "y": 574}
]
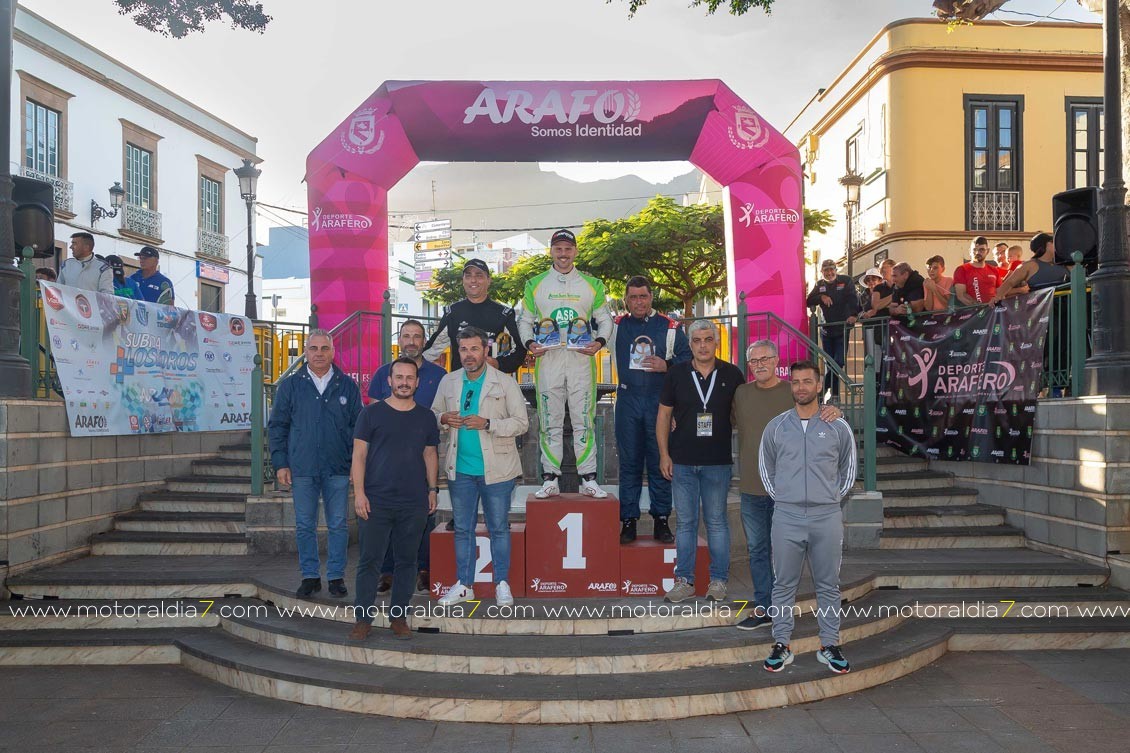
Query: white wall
[{"x": 95, "y": 160}]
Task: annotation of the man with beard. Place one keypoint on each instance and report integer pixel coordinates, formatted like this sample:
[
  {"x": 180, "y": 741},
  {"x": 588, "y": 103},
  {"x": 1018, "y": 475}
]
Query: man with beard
[
  {"x": 974, "y": 281},
  {"x": 505, "y": 350},
  {"x": 395, "y": 467},
  {"x": 563, "y": 295},
  {"x": 808, "y": 467},
  {"x": 835, "y": 295},
  {"x": 909, "y": 294},
  {"x": 411, "y": 342}
]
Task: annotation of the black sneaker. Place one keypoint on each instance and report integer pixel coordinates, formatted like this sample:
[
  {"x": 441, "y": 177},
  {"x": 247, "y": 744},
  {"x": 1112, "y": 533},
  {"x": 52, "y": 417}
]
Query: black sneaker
[
  {"x": 757, "y": 618},
  {"x": 337, "y": 588},
  {"x": 308, "y": 587},
  {"x": 628, "y": 531},
  {"x": 663, "y": 531},
  {"x": 450, "y": 525}
]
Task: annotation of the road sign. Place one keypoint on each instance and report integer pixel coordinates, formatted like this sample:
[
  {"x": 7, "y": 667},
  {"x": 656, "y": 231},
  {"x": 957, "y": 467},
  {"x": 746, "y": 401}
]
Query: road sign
[
  {"x": 424, "y": 274},
  {"x": 433, "y": 264},
  {"x": 432, "y": 255},
  {"x": 424, "y": 227},
  {"x": 432, "y": 235},
  {"x": 433, "y": 245}
]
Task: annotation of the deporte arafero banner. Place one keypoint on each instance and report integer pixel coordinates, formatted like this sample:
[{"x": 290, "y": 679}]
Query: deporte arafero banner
[
  {"x": 131, "y": 367},
  {"x": 963, "y": 386}
]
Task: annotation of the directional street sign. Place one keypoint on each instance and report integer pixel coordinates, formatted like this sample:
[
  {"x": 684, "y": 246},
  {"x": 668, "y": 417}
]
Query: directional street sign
[
  {"x": 424, "y": 227},
  {"x": 432, "y": 235},
  {"x": 432, "y": 255},
  {"x": 433, "y": 245},
  {"x": 433, "y": 264}
]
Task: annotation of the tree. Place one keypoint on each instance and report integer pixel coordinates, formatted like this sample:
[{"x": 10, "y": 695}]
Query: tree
[
  {"x": 734, "y": 7},
  {"x": 179, "y": 18},
  {"x": 681, "y": 249},
  {"x": 505, "y": 287}
]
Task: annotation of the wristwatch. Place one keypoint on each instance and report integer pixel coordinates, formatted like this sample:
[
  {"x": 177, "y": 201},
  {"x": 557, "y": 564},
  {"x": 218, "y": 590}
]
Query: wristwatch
[
  {"x": 487, "y": 427},
  {"x": 433, "y": 489}
]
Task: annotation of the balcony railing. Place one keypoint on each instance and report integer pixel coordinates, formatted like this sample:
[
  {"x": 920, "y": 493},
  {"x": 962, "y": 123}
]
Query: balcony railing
[
  {"x": 64, "y": 190},
  {"x": 142, "y": 221},
  {"x": 994, "y": 210},
  {"x": 212, "y": 245}
]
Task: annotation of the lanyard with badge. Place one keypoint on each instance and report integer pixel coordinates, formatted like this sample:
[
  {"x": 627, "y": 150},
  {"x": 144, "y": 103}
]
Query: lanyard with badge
[{"x": 704, "y": 425}]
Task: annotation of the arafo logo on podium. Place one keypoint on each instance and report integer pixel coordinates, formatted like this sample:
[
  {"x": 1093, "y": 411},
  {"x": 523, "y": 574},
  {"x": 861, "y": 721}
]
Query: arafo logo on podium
[{"x": 537, "y": 585}]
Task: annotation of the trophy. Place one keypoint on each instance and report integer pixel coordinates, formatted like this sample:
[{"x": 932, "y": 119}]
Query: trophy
[
  {"x": 579, "y": 334},
  {"x": 642, "y": 347},
  {"x": 547, "y": 334}
]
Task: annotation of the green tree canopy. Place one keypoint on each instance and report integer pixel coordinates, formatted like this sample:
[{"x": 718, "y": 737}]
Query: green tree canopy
[
  {"x": 179, "y": 18},
  {"x": 733, "y": 7}
]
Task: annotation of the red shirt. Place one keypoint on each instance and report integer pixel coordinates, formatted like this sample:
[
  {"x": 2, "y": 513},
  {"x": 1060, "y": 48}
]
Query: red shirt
[{"x": 980, "y": 282}]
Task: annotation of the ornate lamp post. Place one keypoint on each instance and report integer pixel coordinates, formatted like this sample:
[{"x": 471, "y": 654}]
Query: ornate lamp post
[
  {"x": 248, "y": 176},
  {"x": 117, "y": 198},
  {"x": 852, "y": 181}
]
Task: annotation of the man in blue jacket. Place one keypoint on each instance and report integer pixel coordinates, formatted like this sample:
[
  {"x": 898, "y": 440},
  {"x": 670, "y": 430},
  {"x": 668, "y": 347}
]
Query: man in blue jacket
[
  {"x": 311, "y": 437},
  {"x": 644, "y": 342}
]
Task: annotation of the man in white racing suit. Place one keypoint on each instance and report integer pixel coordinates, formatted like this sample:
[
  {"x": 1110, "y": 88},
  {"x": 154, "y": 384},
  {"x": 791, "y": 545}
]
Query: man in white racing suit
[{"x": 564, "y": 373}]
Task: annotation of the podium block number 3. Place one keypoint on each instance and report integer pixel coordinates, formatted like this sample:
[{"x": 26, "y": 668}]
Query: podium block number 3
[
  {"x": 669, "y": 559},
  {"x": 573, "y": 526}
]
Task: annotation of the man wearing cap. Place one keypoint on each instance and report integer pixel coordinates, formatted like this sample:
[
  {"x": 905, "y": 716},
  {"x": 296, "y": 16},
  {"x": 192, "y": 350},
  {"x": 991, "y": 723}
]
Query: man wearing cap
[
  {"x": 837, "y": 299},
  {"x": 505, "y": 352},
  {"x": 85, "y": 270},
  {"x": 565, "y": 295},
  {"x": 123, "y": 287},
  {"x": 155, "y": 287}
]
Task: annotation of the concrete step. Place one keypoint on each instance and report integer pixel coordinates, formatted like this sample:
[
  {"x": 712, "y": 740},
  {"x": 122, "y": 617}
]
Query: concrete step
[
  {"x": 198, "y": 484},
  {"x": 899, "y": 480},
  {"x": 166, "y": 501},
  {"x": 92, "y": 647},
  {"x": 934, "y": 497},
  {"x": 942, "y": 516},
  {"x": 898, "y": 464},
  {"x": 535, "y": 698},
  {"x": 160, "y": 543},
  {"x": 953, "y": 537},
  {"x": 232, "y": 468},
  {"x": 181, "y": 522}
]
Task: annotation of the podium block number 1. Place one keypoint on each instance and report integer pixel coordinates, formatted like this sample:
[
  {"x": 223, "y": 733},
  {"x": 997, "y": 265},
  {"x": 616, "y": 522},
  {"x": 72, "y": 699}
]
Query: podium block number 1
[{"x": 573, "y": 526}]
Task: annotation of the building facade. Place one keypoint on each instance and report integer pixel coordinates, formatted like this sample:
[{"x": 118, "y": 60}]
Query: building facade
[
  {"x": 955, "y": 135},
  {"x": 86, "y": 123}
]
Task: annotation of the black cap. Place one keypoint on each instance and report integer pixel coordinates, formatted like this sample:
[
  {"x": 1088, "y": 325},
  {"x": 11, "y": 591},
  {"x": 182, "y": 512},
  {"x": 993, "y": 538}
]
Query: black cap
[
  {"x": 563, "y": 235},
  {"x": 115, "y": 261},
  {"x": 1039, "y": 243},
  {"x": 148, "y": 251},
  {"x": 477, "y": 264}
]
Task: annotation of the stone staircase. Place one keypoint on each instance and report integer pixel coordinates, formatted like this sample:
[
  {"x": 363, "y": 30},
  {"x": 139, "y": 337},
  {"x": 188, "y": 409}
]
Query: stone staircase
[
  {"x": 198, "y": 514},
  {"x": 923, "y": 509}
]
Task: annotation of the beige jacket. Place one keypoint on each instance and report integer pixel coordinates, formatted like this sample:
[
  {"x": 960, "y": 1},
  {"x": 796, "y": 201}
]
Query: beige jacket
[{"x": 500, "y": 401}]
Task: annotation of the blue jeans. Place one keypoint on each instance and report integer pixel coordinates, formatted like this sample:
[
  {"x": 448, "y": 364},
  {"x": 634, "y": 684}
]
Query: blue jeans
[
  {"x": 757, "y": 520},
  {"x": 334, "y": 491},
  {"x": 707, "y": 485},
  {"x": 466, "y": 492},
  {"x": 423, "y": 556},
  {"x": 635, "y": 440}
]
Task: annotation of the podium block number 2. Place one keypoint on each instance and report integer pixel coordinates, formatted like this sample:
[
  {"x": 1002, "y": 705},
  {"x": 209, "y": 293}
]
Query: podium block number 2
[
  {"x": 573, "y": 526},
  {"x": 482, "y": 544}
]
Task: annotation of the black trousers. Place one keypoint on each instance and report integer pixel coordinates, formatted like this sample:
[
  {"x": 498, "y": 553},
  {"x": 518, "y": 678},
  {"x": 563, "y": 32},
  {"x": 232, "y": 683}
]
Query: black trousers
[{"x": 395, "y": 528}]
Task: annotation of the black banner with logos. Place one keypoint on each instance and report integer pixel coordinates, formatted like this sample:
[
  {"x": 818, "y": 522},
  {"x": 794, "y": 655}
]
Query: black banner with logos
[{"x": 963, "y": 386}]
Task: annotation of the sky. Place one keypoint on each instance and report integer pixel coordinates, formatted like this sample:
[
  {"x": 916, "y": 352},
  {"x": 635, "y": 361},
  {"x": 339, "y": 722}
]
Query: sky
[{"x": 317, "y": 61}]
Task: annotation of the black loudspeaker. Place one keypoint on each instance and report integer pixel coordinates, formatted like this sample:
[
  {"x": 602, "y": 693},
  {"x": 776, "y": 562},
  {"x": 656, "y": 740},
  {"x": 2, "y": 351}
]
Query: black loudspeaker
[
  {"x": 33, "y": 219},
  {"x": 1075, "y": 215}
]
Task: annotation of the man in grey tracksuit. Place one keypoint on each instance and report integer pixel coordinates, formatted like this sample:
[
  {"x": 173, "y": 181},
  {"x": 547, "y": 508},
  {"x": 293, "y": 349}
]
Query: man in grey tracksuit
[{"x": 808, "y": 467}]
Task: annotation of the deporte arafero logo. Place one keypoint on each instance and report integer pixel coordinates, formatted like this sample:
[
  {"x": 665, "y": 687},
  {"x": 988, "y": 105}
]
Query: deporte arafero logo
[
  {"x": 537, "y": 585},
  {"x": 323, "y": 220},
  {"x": 558, "y": 113},
  {"x": 639, "y": 589}
]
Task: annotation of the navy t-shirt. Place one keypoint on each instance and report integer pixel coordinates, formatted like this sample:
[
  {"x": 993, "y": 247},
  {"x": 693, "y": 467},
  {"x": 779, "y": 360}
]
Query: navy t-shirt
[{"x": 394, "y": 467}]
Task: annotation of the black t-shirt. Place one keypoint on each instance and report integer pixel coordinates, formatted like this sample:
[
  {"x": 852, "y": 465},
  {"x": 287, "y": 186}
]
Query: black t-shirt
[
  {"x": 884, "y": 290},
  {"x": 490, "y": 316},
  {"x": 685, "y": 446},
  {"x": 913, "y": 290},
  {"x": 394, "y": 467}
]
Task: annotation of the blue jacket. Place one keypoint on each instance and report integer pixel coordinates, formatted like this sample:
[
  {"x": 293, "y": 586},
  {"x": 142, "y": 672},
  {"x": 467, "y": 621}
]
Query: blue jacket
[
  {"x": 312, "y": 434},
  {"x": 428, "y": 379},
  {"x": 664, "y": 333}
]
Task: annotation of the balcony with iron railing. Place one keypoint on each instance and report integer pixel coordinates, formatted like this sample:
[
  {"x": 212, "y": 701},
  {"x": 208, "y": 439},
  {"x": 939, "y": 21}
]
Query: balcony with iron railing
[
  {"x": 141, "y": 222},
  {"x": 212, "y": 245},
  {"x": 64, "y": 190},
  {"x": 994, "y": 210}
]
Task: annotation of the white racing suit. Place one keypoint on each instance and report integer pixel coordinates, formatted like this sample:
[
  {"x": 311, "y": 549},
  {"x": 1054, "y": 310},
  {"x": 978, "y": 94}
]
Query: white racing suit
[{"x": 561, "y": 374}]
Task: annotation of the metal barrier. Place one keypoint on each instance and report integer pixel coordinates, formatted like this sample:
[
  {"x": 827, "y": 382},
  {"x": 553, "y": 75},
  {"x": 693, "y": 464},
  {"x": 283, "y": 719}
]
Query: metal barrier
[{"x": 279, "y": 344}]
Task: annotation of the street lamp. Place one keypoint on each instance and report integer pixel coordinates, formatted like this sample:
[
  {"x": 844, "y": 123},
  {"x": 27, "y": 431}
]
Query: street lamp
[
  {"x": 851, "y": 181},
  {"x": 117, "y": 198},
  {"x": 248, "y": 176}
]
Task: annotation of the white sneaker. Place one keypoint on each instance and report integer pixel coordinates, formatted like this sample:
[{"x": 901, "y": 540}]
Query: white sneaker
[
  {"x": 548, "y": 489},
  {"x": 458, "y": 593},
  {"x": 592, "y": 489},
  {"x": 502, "y": 595}
]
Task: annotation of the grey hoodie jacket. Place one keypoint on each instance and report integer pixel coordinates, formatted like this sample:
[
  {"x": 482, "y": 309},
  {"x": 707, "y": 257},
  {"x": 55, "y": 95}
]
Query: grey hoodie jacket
[{"x": 814, "y": 467}]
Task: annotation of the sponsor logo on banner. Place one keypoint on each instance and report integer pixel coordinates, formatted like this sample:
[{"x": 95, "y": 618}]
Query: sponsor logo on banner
[
  {"x": 361, "y": 135},
  {"x": 83, "y": 304},
  {"x": 83, "y": 421},
  {"x": 54, "y": 300},
  {"x": 338, "y": 221},
  {"x": 142, "y": 314},
  {"x": 236, "y": 326},
  {"x": 557, "y": 114},
  {"x": 537, "y": 585},
  {"x": 208, "y": 322},
  {"x": 605, "y": 587},
  {"x": 751, "y": 215},
  {"x": 235, "y": 418},
  {"x": 746, "y": 129},
  {"x": 639, "y": 589}
]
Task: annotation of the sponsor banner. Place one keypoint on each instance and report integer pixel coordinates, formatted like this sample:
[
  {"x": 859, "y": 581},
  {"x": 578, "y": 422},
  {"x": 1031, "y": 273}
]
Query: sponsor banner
[
  {"x": 132, "y": 367},
  {"x": 964, "y": 386}
]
